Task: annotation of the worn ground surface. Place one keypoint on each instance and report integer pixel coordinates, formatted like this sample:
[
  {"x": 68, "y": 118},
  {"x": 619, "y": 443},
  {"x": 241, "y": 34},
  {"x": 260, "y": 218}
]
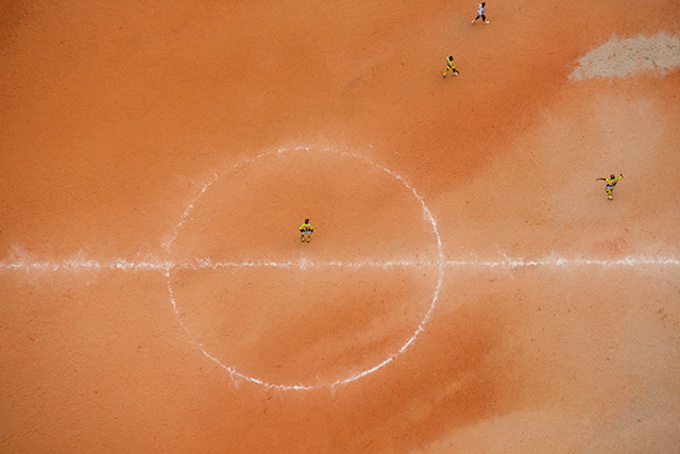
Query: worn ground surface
[{"x": 158, "y": 157}]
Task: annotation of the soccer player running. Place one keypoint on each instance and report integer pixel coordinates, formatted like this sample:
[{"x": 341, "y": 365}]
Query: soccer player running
[
  {"x": 611, "y": 183},
  {"x": 306, "y": 230},
  {"x": 450, "y": 66},
  {"x": 481, "y": 13}
]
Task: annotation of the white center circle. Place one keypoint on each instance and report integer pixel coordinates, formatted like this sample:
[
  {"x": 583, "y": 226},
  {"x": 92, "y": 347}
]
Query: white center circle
[{"x": 235, "y": 373}]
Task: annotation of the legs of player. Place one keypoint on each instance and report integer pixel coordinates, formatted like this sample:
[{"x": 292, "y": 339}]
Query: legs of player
[
  {"x": 454, "y": 71},
  {"x": 610, "y": 193}
]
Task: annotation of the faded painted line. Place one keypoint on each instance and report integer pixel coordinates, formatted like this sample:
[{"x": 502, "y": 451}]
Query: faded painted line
[
  {"x": 558, "y": 261},
  {"x": 75, "y": 265},
  {"x": 306, "y": 264}
]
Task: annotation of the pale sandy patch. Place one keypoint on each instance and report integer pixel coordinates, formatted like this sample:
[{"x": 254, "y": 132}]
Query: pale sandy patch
[{"x": 620, "y": 57}]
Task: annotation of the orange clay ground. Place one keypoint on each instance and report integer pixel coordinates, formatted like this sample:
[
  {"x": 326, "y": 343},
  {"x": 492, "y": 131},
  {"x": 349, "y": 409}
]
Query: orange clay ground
[{"x": 158, "y": 157}]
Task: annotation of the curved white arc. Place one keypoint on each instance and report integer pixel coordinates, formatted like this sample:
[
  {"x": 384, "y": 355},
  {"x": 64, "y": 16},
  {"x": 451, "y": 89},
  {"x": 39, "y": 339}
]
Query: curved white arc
[{"x": 440, "y": 264}]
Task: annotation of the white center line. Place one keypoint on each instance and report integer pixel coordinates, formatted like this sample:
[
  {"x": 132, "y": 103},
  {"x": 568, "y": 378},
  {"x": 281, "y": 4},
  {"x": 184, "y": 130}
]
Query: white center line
[{"x": 306, "y": 264}]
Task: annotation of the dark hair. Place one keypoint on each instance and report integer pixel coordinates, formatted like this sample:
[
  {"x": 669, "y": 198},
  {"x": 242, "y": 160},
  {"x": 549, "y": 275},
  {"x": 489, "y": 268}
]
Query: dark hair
[
  {"x": 483, "y": 4},
  {"x": 306, "y": 221},
  {"x": 612, "y": 176}
]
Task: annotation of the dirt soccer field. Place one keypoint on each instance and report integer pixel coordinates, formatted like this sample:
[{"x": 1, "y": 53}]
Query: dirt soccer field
[{"x": 468, "y": 287}]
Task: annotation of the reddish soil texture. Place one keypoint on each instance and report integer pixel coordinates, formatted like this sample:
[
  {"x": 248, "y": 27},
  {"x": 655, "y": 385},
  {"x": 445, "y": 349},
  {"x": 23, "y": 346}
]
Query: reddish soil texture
[{"x": 148, "y": 131}]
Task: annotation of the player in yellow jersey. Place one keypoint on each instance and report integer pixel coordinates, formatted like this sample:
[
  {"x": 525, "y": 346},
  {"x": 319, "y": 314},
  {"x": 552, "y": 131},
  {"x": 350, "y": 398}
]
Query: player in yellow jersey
[
  {"x": 611, "y": 183},
  {"x": 450, "y": 65},
  {"x": 306, "y": 230}
]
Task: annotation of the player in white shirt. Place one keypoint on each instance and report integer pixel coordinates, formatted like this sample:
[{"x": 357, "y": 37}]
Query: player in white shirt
[{"x": 481, "y": 13}]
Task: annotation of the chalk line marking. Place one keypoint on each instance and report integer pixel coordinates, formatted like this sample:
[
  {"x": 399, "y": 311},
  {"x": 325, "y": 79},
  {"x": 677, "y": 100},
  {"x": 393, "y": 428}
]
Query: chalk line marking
[
  {"x": 305, "y": 264},
  {"x": 551, "y": 260},
  {"x": 556, "y": 260},
  {"x": 79, "y": 264}
]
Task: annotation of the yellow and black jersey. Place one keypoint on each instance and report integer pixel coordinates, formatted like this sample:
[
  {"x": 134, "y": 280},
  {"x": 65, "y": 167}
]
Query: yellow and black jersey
[
  {"x": 306, "y": 228},
  {"x": 612, "y": 181}
]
